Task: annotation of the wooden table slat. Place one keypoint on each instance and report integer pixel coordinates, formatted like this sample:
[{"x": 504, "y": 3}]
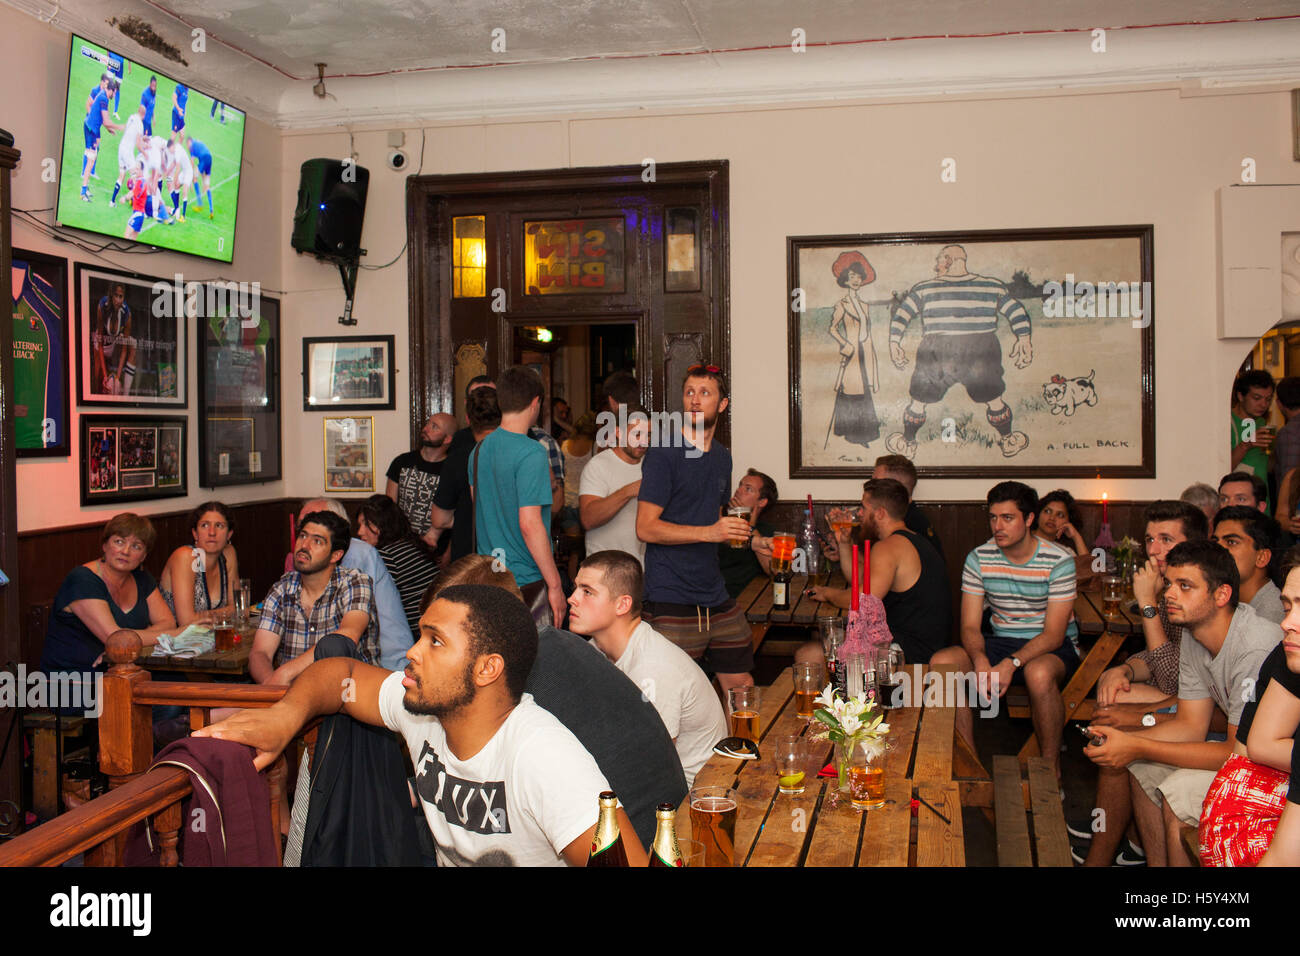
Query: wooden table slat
[
  {"x": 1009, "y": 812},
  {"x": 939, "y": 843},
  {"x": 888, "y": 830},
  {"x": 934, "y": 746},
  {"x": 837, "y": 831},
  {"x": 1050, "y": 837},
  {"x": 787, "y": 826},
  {"x": 753, "y": 591},
  {"x": 902, "y": 734},
  {"x": 774, "y": 700}
]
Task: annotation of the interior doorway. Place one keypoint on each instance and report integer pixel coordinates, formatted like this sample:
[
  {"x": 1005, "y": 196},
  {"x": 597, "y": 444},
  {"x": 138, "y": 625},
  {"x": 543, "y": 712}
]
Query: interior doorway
[{"x": 573, "y": 359}]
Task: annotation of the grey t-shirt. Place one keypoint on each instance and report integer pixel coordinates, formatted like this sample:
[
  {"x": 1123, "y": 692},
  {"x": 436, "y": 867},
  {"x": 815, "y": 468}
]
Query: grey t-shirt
[
  {"x": 1229, "y": 676},
  {"x": 1267, "y": 603}
]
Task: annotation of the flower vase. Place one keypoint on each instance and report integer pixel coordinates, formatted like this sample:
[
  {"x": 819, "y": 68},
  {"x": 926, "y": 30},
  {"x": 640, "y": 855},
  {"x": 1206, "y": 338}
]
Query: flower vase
[{"x": 844, "y": 760}]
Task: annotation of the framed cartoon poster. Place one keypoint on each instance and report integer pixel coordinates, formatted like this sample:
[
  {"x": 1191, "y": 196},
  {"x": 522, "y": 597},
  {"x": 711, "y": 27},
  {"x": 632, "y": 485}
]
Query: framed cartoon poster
[
  {"x": 974, "y": 354},
  {"x": 132, "y": 458},
  {"x": 40, "y": 376},
  {"x": 132, "y": 344}
]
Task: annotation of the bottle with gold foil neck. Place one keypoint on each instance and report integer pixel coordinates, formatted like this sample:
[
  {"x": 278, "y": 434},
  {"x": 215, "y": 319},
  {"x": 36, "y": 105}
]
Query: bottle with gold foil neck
[
  {"x": 664, "y": 850},
  {"x": 607, "y": 845}
]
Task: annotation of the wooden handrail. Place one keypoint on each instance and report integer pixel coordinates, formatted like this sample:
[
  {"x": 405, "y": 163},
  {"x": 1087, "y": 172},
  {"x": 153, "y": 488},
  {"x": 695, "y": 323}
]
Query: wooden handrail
[
  {"x": 98, "y": 821},
  {"x": 207, "y": 695}
]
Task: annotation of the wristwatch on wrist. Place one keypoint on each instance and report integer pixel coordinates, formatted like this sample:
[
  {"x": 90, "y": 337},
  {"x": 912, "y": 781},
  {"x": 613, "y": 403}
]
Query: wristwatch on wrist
[
  {"x": 1149, "y": 610},
  {"x": 1148, "y": 719},
  {"x": 1015, "y": 661}
]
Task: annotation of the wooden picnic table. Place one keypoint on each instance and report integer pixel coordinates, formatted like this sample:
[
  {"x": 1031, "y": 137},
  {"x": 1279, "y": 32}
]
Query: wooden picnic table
[
  {"x": 230, "y": 664},
  {"x": 756, "y": 601},
  {"x": 819, "y": 827}
]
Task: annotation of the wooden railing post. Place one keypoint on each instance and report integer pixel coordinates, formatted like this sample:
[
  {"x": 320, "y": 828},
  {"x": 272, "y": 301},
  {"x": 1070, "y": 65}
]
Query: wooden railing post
[
  {"x": 125, "y": 728},
  {"x": 167, "y": 824}
]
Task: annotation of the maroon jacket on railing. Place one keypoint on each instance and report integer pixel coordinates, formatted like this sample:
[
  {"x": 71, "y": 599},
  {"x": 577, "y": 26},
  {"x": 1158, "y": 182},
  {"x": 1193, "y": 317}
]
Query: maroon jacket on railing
[{"x": 227, "y": 819}]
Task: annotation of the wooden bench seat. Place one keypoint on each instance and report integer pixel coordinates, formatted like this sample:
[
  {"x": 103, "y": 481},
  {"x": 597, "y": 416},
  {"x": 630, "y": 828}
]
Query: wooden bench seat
[{"x": 1021, "y": 806}]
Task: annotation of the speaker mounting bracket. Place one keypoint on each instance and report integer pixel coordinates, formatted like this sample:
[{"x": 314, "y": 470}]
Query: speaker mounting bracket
[{"x": 348, "y": 273}]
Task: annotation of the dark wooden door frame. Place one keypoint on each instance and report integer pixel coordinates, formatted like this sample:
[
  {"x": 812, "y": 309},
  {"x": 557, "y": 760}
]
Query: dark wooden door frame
[{"x": 429, "y": 279}]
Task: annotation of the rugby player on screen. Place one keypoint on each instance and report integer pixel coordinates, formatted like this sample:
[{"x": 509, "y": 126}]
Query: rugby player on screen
[
  {"x": 96, "y": 122},
  {"x": 147, "y": 100},
  {"x": 126, "y": 147},
  {"x": 203, "y": 160}
]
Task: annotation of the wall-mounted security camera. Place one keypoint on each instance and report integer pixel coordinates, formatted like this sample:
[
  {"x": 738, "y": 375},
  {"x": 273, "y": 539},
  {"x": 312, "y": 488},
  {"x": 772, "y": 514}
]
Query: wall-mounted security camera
[{"x": 397, "y": 160}]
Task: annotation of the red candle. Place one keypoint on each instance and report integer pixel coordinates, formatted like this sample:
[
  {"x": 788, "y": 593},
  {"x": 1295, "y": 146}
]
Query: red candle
[
  {"x": 854, "y": 587},
  {"x": 866, "y": 567},
  {"x": 1104, "y": 519}
]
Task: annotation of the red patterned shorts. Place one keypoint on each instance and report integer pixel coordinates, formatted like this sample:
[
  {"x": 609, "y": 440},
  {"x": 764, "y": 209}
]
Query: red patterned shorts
[{"x": 1240, "y": 812}]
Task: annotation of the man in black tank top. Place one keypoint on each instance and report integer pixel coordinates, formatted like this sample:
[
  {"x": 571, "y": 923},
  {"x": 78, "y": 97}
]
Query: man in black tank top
[{"x": 907, "y": 574}]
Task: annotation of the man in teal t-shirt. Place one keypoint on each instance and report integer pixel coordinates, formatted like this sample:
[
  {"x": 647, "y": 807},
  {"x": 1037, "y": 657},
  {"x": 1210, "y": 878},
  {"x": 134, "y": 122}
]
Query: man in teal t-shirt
[
  {"x": 512, "y": 490},
  {"x": 1252, "y": 394}
]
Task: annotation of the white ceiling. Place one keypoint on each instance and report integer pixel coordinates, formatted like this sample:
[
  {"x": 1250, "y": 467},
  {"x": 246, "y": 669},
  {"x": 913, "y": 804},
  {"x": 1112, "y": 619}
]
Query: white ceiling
[{"x": 433, "y": 59}]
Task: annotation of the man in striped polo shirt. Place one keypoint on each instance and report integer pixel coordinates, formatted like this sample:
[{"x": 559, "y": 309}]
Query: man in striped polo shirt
[
  {"x": 1030, "y": 634},
  {"x": 959, "y": 314}
]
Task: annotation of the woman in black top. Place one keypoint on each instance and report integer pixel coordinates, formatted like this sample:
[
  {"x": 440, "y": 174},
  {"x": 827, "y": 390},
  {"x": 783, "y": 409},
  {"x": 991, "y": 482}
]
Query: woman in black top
[
  {"x": 382, "y": 524},
  {"x": 104, "y": 595}
]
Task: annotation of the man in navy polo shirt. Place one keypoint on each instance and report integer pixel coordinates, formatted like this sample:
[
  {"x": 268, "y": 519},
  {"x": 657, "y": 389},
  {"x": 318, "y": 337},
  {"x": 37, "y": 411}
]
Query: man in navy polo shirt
[{"x": 685, "y": 484}]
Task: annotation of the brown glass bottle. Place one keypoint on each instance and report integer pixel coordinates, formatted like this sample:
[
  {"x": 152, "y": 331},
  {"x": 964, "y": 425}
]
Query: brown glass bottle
[
  {"x": 664, "y": 850},
  {"x": 607, "y": 845}
]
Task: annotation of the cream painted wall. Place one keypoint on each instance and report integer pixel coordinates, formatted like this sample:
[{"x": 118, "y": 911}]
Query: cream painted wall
[
  {"x": 1054, "y": 160},
  {"x": 1022, "y": 161},
  {"x": 35, "y": 58}
]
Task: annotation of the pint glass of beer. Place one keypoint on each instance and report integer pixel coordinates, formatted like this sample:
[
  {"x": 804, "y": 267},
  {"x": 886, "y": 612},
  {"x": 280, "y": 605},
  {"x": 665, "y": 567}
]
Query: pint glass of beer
[
  {"x": 739, "y": 511},
  {"x": 223, "y": 624},
  {"x": 1112, "y": 594},
  {"x": 743, "y": 706},
  {"x": 713, "y": 824},
  {"x": 808, "y": 683},
  {"x": 782, "y": 551}
]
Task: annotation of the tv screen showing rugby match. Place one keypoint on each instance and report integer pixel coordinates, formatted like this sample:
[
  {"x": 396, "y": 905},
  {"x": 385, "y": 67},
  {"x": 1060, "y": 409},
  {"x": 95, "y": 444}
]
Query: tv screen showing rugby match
[{"x": 146, "y": 158}]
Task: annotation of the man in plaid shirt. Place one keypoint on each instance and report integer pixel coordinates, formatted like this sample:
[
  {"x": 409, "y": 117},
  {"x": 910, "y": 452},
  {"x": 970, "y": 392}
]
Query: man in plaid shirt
[{"x": 316, "y": 598}]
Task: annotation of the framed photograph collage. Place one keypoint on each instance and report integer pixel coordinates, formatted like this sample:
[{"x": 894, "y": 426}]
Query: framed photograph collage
[{"x": 131, "y": 342}]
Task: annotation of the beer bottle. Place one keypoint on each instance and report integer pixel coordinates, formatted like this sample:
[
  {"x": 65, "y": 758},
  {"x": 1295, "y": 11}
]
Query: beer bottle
[
  {"x": 664, "y": 850},
  {"x": 607, "y": 845},
  {"x": 781, "y": 590}
]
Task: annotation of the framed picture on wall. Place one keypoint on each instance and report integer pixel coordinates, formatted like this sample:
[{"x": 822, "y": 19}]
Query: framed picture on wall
[
  {"x": 239, "y": 389},
  {"x": 348, "y": 373},
  {"x": 349, "y": 454},
  {"x": 1014, "y": 353},
  {"x": 132, "y": 458},
  {"x": 132, "y": 342},
  {"x": 40, "y": 376}
]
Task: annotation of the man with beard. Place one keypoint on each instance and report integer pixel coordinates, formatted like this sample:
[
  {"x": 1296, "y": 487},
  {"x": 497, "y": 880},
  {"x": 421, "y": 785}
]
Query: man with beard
[
  {"x": 1168, "y": 768},
  {"x": 610, "y": 485},
  {"x": 501, "y": 781},
  {"x": 413, "y": 475},
  {"x": 316, "y": 598},
  {"x": 685, "y": 483}
]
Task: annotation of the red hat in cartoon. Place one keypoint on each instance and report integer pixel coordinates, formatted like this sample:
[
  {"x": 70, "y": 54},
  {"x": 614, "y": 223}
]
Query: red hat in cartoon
[{"x": 846, "y": 259}]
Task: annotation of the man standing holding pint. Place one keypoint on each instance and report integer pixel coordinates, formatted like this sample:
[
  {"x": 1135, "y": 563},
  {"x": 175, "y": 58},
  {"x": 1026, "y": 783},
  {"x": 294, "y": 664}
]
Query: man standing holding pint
[{"x": 685, "y": 484}]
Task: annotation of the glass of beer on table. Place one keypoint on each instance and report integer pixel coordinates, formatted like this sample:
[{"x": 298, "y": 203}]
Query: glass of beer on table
[
  {"x": 782, "y": 551},
  {"x": 743, "y": 706},
  {"x": 809, "y": 679},
  {"x": 223, "y": 625},
  {"x": 866, "y": 780},
  {"x": 739, "y": 511},
  {"x": 1112, "y": 594},
  {"x": 842, "y": 520},
  {"x": 713, "y": 824}
]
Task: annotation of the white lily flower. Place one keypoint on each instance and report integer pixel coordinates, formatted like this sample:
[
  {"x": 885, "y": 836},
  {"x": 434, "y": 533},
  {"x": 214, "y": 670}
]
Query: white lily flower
[
  {"x": 850, "y": 724},
  {"x": 874, "y": 749},
  {"x": 826, "y": 697}
]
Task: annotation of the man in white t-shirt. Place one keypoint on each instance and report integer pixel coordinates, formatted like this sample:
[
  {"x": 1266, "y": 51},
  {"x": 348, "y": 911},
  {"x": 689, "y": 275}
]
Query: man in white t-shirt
[
  {"x": 606, "y": 605},
  {"x": 501, "y": 781},
  {"x": 610, "y": 483}
]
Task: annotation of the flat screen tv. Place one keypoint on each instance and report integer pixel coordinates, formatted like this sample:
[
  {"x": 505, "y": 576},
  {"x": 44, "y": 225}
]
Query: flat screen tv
[{"x": 146, "y": 158}]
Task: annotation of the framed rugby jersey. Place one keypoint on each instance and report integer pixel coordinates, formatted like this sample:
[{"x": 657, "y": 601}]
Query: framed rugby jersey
[
  {"x": 40, "y": 328},
  {"x": 1024, "y": 352}
]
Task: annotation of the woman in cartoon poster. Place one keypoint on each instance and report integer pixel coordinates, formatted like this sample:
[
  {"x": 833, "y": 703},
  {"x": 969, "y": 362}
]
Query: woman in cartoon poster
[{"x": 854, "y": 417}]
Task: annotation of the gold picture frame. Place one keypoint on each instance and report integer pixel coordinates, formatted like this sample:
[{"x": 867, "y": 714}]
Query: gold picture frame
[{"x": 349, "y": 454}]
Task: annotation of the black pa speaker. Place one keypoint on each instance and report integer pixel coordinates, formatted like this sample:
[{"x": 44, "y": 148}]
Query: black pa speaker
[{"x": 331, "y": 207}]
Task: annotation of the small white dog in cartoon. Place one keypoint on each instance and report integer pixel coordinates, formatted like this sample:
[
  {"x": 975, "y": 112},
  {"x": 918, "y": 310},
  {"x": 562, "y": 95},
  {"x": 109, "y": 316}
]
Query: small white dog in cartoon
[{"x": 1067, "y": 394}]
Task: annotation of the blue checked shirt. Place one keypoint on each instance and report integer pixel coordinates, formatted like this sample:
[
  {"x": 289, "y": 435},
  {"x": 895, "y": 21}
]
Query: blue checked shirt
[
  {"x": 552, "y": 452},
  {"x": 283, "y": 614}
]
